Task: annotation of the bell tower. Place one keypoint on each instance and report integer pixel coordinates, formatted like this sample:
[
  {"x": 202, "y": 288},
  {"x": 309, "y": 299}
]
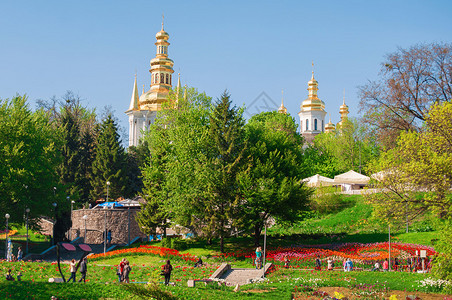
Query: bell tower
[
  {"x": 312, "y": 112},
  {"x": 143, "y": 110}
]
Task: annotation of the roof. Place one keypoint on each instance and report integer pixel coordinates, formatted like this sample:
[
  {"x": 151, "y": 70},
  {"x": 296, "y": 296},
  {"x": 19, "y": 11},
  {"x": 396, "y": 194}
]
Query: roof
[
  {"x": 351, "y": 177},
  {"x": 318, "y": 180}
]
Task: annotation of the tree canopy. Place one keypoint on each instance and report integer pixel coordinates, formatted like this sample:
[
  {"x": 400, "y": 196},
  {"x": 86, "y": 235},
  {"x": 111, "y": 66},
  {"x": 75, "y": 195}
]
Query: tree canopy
[
  {"x": 29, "y": 156},
  {"x": 412, "y": 80}
]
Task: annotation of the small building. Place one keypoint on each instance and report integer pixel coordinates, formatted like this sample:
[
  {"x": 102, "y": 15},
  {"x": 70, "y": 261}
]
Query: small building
[{"x": 351, "y": 180}]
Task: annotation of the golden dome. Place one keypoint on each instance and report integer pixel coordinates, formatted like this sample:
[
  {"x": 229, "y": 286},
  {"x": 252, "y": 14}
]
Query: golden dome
[
  {"x": 162, "y": 34},
  {"x": 330, "y": 127}
]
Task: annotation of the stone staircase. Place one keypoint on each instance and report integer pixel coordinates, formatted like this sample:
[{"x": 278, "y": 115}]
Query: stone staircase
[{"x": 239, "y": 276}]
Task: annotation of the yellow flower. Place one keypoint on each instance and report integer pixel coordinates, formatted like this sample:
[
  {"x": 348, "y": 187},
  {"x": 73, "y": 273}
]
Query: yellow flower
[
  {"x": 338, "y": 295},
  {"x": 393, "y": 297}
]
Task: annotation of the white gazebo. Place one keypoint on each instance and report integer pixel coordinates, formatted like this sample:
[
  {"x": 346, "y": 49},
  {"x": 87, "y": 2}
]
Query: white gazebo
[
  {"x": 351, "y": 180},
  {"x": 318, "y": 181}
]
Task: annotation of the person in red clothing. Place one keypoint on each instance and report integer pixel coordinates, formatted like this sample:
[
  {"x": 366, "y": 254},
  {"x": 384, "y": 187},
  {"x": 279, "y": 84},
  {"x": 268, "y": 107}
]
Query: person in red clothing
[
  {"x": 121, "y": 269},
  {"x": 386, "y": 265}
]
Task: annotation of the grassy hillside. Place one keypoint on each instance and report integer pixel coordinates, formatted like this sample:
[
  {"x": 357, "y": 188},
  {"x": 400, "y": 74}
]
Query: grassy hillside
[{"x": 352, "y": 221}]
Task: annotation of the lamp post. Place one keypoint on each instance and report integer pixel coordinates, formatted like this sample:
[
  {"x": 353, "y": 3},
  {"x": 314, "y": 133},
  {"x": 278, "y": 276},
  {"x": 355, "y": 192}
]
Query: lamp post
[
  {"x": 6, "y": 239},
  {"x": 72, "y": 208},
  {"x": 128, "y": 225},
  {"x": 27, "y": 210},
  {"x": 54, "y": 204},
  {"x": 265, "y": 246},
  {"x": 108, "y": 185},
  {"x": 105, "y": 231},
  {"x": 84, "y": 218}
]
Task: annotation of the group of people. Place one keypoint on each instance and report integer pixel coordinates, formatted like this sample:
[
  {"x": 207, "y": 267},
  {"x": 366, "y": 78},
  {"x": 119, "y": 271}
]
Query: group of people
[
  {"x": 347, "y": 264},
  {"x": 123, "y": 272},
  {"x": 83, "y": 270},
  {"x": 411, "y": 264},
  {"x": 10, "y": 277}
]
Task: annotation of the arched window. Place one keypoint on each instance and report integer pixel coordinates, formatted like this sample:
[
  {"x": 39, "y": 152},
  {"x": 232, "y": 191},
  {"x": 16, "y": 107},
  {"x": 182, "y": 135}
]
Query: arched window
[
  {"x": 307, "y": 124},
  {"x": 323, "y": 126},
  {"x": 162, "y": 78},
  {"x": 315, "y": 124},
  {"x": 167, "y": 79},
  {"x": 170, "y": 77}
]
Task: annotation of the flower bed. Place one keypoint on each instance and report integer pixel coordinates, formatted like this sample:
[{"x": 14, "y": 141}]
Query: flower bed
[
  {"x": 147, "y": 249},
  {"x": 10, "y": 233},
  {"x": 364, "y": 253}
]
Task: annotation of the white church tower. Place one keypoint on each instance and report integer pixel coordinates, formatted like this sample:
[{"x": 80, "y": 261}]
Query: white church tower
[
  {"x": 143, "y": 110},
  {"x": 312, "y": 113}
]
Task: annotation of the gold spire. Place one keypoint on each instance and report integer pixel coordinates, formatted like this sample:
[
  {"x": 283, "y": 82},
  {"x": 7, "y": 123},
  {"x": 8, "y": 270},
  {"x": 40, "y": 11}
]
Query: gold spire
[
  {"x": 161, "y": 74},
  {"x": 312, "y": 102},
  {"x": 143, "y": 89},
  {"x": 134, "y": 100},
  {"x": 163, "y": 19},
  {"x": 330, "y": 126},
  {"x": 343, "y": 110},
  {"x": 282, "y": 109}
]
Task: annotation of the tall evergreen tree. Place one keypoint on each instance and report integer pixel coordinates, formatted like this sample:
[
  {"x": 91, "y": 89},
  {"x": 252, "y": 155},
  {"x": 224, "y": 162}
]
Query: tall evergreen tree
[
  {"x": 109, "y": 163},
  {"x": 227, "y": 151}
]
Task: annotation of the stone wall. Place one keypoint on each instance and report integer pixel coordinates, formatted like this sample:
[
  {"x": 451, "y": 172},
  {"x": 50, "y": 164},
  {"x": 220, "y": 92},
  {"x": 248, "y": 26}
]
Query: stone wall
[{"x": 117, "y": 222}]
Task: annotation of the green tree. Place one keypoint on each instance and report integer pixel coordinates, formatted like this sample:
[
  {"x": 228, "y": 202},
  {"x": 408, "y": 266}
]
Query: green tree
[
  {"x": 178, "y": 142},
  {"x": 270, "y": 186},
  {"x": 109, "y": 164},
  {"x": 29, "y": 154},
  {"x": 226, "y": 133},
  {"x": 348, "y": 148},
  {"x": 416, "y": 175}
]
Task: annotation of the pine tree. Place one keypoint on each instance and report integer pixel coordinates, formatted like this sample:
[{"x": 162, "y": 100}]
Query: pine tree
[
  {"x": 109, "y": 162},
  {"x": 228, "y": 145}
]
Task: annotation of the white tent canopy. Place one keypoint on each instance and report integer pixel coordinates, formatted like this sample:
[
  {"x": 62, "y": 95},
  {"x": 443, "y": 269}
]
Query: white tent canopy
[
  {"x": 351, "y": 177},
  {"x": 317, "y": 180}
]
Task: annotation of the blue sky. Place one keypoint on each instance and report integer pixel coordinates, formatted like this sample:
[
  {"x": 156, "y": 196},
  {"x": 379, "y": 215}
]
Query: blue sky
[{"x": 94, "y": 48}]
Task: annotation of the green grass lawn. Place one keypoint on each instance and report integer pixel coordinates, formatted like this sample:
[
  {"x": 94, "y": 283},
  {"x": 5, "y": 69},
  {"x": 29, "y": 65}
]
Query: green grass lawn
[{"x": 102, "y": 281}]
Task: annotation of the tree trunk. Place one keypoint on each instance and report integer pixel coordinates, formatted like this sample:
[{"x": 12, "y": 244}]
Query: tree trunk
[
  {"x": 257, "y": 234},
  {"x": 222, "y": 237}
]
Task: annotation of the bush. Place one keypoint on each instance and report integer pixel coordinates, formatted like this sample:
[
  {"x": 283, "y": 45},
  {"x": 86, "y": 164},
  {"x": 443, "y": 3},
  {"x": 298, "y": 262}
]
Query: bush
[
  {"x": 149, "y": 291},
  {"x": 326, "y": 200}
]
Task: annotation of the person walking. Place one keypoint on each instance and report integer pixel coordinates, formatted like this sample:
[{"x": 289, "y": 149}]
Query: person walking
[
  {"x": 376, "y": 267},
  {"x": 166, "y": 270},
  {"x": 73, "y": 270},
  {"x": 330, "y": 264},
  {"x": 318, "y": 263},
  {"x": 396, "y": 264},
  {"x": 121, "y": 270},
  {"x": 126, "y": 272},
  {"x": 83, "y": 270},
  {"x": 19, "y": 254},
  {"x": 109, "y": 238},
  {"x": 386, "y": 265},
  {"x": 349, "y": 265},
  {"x": 258, "y": 260}
]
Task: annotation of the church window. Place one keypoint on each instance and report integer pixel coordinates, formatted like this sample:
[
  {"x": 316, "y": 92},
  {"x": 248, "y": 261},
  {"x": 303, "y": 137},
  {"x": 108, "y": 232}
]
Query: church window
[
  {"x": 323, "y": 126},
  {"x": 170, "y": 77},
  {"x": 315, "y": 124},
  {"x": 307, "y": 124},
  {"x": 162, "y": 78},
  {"x": 156, "y": 77},
  {"x": 167, "y": 79}
]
